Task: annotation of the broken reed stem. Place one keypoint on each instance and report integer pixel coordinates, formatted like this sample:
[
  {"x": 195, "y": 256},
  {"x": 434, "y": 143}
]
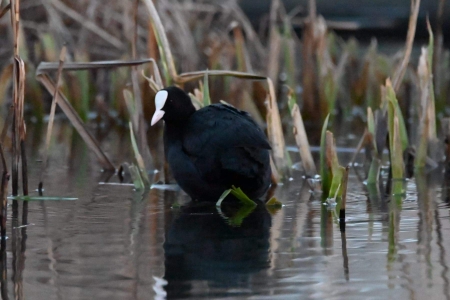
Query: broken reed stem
[
  {"x": 162, "y": 38},
  {"x": 15, "y": 8},
  {"x": 275, "y": 131},
  {"x": 76, "y": 121},
  {"x": 301, "y": 139},
  {"x": 140, "y": 129},
  {"x": 16, "y": 96},
  {"x": 135, "y": 34},
  {"x": 5, "y": 10},
  {"x": 400, "y": 72},
  {"x": 18, "y": 128},
  {"x": 62, "y": 57},
  {"x": 273, "y": 64}
]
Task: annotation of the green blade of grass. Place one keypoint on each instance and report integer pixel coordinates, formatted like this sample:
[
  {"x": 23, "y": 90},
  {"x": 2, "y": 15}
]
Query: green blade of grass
[
  {"x": 395, "y": 145},
  {"x": 206, "y": 97},
  {"x": 222, "y": 197},
  {"x": 273, "y": 202},
  {"x": 243, "y": 212},
  {"x": 136, "y": 177},
  {"x": 336, "y": 183},
  {"x": 391, "y": 97},
  {"x": 325, "y": 173},
  {"x": 371, "y": 127},
  {"x": 241, "y": 196},
  {"x": 374, "y": 171}
]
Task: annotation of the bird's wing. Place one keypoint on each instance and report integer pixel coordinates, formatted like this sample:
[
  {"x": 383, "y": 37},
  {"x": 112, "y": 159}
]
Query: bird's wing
[
  {"x": 222, "y": 126},
  {"x": 220, "y": 135}
]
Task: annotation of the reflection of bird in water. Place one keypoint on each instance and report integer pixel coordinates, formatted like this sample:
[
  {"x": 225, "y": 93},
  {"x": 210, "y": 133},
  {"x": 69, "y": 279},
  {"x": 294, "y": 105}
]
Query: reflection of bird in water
[{"x": 201, "y": 245}]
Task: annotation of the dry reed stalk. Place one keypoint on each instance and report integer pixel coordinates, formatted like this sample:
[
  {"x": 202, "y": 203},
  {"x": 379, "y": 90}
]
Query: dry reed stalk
[
  {"x": 311, "y": 106},
  {"x": 163, "y": 42},
  {"x": 275, "y": 131},
  {"x": 5, "y": 10},
  {"x": 45, "y": 67},
  {"x": 140, "y": 126},
  {"x": 428, "y": 142},
  {"x": 250, "y": 33},
  {"x": 275, "y": 176},
  {"x": 190, "y": 76},
  {"x": 242, "y": 56},
  {"x": 301, "y": 139},
  {"x": 62, "y": 58},
  {"x": 400, "y": 72},
  {"x": 67, "y": 108},
  {"x": 18, "y": 128},
  {"x": 91, "y": 26},
  {"x": 329, "y": 73},
  {"x": 273, "y": 64},
  {"x": 76, "y": 121}
]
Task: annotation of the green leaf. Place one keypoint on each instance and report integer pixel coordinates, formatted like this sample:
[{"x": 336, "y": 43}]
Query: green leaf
[
  {"x": 222, "y": 197},
  {"x": 240, "y": 215},
  {"x": 206, "y": 97},
  {"x": 336, "y": 183},
  {"x": 371, "y": 128},
  {"x": 391, "y": 97},
  {"x": 325, "y": 173},
  {"x": 374, "y": 171},
  {"x": 136, "y": 177},
  {"x": 273, "y": 202},
  {"x": 241, "y": 196},
  {"x": 396, "y": 151}
]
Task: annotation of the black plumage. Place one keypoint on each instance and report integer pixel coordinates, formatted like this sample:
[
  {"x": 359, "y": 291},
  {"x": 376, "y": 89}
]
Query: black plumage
[{"x": 211, "y": 149}]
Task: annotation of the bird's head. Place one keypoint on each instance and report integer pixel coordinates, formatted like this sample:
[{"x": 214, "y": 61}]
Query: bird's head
[{"x": 172, "y": 105}]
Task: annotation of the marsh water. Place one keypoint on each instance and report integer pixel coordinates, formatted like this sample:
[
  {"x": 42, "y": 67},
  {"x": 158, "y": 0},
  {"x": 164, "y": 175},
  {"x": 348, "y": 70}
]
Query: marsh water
[{"x": 116, "y": 243}]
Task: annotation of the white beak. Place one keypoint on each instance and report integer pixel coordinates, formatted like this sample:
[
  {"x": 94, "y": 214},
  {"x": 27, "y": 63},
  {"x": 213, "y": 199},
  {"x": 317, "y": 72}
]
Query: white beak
[{"x": 157, "y": 116}]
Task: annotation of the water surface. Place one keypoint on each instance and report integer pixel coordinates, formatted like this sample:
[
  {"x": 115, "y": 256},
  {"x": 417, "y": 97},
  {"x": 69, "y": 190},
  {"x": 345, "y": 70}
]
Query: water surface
[{"x": 116, "y": 243}]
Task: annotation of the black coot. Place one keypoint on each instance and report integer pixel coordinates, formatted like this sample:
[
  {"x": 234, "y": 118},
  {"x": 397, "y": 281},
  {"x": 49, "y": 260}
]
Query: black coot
[{"x": 211, "y": 149}]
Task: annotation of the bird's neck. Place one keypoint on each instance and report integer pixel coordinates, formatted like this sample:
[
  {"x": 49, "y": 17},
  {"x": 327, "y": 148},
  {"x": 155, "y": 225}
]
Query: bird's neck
[{"x": 173, "y": 132}]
